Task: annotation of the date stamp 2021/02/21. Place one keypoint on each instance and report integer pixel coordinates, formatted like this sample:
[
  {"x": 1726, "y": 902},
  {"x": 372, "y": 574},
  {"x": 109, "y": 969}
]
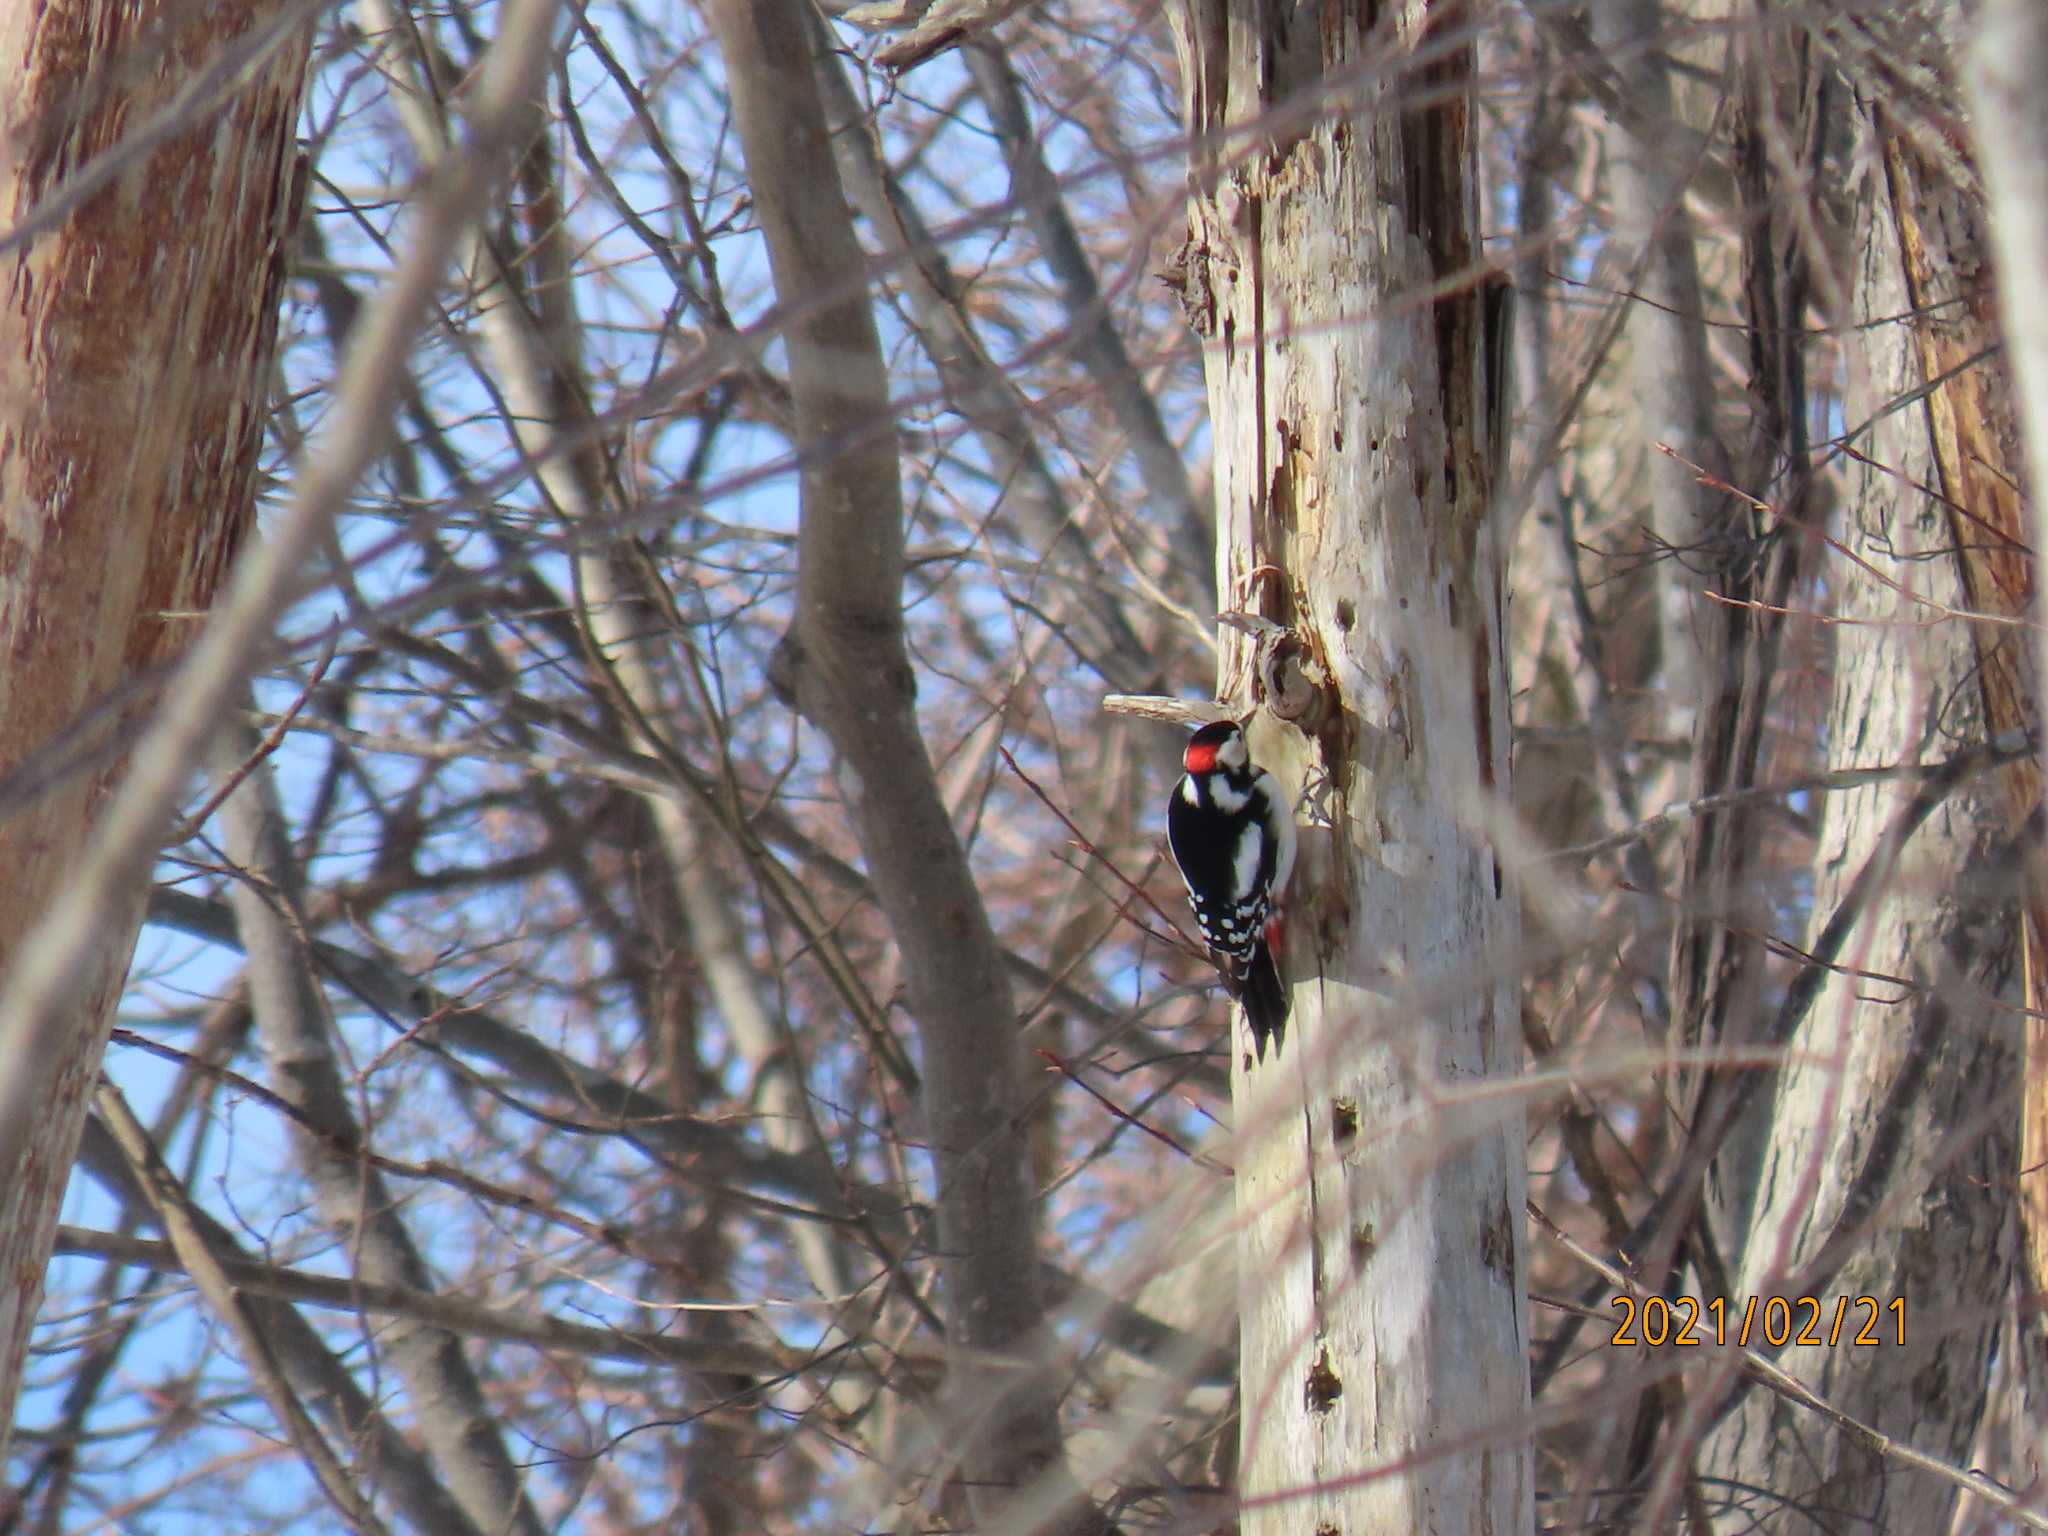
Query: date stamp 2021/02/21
[{"x": 1773, "y": 1320}]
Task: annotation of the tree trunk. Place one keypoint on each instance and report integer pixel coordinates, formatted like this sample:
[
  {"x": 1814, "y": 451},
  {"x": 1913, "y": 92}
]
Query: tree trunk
[
  {"x": 846, "y": 665},
  {"x": 1380, "y": 1178},
  {"x": 1891, "y": 1138},
  {"x": 2009, "y": 127},
  {"x": 135, "y": 352}
]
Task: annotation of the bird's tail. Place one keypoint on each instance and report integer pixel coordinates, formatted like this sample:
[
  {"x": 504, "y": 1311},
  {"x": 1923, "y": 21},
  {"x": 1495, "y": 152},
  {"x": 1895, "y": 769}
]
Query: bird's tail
[{"x": 1264, "y": 996}]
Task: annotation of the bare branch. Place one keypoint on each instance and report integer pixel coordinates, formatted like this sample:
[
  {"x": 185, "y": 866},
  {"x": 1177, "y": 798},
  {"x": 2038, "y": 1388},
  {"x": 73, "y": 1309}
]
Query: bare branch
[
  {"x": 198, "y": 1261},
  {"x": 846, "y": 665}
]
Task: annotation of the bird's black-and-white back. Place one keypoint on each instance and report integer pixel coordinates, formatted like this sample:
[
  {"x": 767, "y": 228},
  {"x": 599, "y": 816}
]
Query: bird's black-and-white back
[
  {"x": 1231, "y": 830},
  {"x": 1217, "y": 828}
]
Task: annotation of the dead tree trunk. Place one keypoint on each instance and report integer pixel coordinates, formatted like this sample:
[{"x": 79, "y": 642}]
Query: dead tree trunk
[
  {"x": 142, "y": 258},
  {"x": 1380, "y": 1181}
]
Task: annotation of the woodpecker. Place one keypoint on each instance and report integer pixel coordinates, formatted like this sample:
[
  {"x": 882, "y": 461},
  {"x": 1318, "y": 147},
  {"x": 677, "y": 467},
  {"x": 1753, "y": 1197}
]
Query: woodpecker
[{"x": 1231, "y": 830}]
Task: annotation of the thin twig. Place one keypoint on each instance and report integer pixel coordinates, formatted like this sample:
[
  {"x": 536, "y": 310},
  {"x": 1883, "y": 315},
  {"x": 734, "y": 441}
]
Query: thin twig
[
  {"x": 272, "y": 740},
  {"x": 1089, "y": 848},
  {"x": 1119, "y": 1112},
  {"x": 2001, "y": 749}
]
